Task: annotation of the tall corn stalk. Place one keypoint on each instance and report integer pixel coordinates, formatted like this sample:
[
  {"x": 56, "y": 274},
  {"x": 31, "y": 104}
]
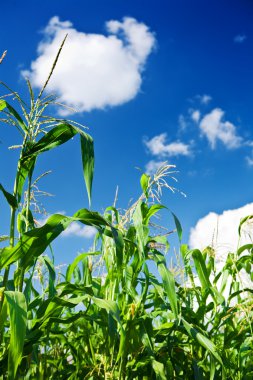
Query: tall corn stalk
[{"x": 118, "y": 312}]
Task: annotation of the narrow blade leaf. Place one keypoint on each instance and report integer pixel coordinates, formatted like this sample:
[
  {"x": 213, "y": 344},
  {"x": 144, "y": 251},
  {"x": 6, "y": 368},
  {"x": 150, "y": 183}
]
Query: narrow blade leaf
[{"x": 18, "y": 319}]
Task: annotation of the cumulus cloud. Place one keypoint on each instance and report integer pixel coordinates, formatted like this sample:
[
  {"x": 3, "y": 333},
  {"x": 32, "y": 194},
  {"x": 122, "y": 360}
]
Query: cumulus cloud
[
  {"x": 159, "y": 147},
  {"x": 215, "y": 129},
  {"x": 240, "y": 38},
  {"x": 94, "y": 70},
  {"x": 221, "y": 231}
]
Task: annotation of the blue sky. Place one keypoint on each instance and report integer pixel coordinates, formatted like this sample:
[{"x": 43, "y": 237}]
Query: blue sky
[{"x": 154, "y": 81}]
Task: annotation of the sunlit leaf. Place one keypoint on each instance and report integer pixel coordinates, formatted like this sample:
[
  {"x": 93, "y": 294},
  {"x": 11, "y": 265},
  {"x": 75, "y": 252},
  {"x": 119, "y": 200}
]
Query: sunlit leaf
[{"x": 18, "y": 320}]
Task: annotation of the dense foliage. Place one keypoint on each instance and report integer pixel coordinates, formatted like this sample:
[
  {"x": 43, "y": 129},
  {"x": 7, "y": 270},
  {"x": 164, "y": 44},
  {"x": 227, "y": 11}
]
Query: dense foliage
[{"x": 118, "y": 312}]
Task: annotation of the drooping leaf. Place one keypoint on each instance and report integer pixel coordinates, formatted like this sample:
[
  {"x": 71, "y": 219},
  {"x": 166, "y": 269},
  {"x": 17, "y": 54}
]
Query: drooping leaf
[
  {"x": 55, "y": 137},
  {"x": 9, "y": 197},
  {"x": 34, "y": 242},
  {"x": 87, "y": 150},
  {"x": 18, "y": 320},
  {"x": 76, "y": 261},
  {"x": 243, "y": 221},
  {"x": 14, "y": 113},
  {"x": 152, "y": 211},
  {"x": 178, "y": 226}
]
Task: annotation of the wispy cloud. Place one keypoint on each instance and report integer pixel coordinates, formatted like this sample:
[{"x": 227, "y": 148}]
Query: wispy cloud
[
  {"x": 204, "y": 99},
  {"x": 94, "y": 70},
  {"x": 182, "y": 123},
  {"x": 240, "y": 38},
  {"x": 215, "y": 129},
  {"x": 158, "y": 146},
  {"x": 249, "y": 160}
]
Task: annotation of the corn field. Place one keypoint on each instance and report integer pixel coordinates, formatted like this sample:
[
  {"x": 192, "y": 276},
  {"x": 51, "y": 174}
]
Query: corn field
[{"x": 111, "y": 315}]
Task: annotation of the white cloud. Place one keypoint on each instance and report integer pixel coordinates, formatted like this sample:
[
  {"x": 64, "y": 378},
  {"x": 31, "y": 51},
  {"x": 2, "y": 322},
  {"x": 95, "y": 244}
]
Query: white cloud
[
  {"x": 204, "y": 99},
  {"x": 221, "y": 231},
  {"x": 158, "y": 146},
  {"x": 75, "y": 229},
  {"x": 214, "y": 128},
  {"x": 94, "y": 70},
  {"x": 195, "y": 115},
  {"x": 240, "y": 38}
]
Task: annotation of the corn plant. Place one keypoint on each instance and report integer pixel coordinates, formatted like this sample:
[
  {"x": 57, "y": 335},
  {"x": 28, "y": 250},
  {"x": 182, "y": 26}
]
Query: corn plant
[{"x": 118, "y": 311}]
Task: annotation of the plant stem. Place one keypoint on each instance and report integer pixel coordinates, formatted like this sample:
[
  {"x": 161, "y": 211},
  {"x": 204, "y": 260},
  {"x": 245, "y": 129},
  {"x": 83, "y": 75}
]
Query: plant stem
[
  {"x": 13, "y": 218},
  {"x": 22, "y": 271}
]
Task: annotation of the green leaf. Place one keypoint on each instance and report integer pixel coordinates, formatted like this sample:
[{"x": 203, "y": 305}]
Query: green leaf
[
  {"x": 58, "y": 136},
  {"x": 168, "y": 281},
  {"x": 244, "y": 248},
  {"x": 178, "y": 226},
  {"x": 25, "y": 168},
  {"x": 14, "y": 113},
  {"x": 201, "y": 268},
  {"x": 142, "y": 231},
  {"x": 109, "y": 306},
  {"x": 34, "y": 242},
  {"x": 3, "y": 311},
  {"x": 159, "y": 370},
  {"x": 55, "y": 137},
  {"x": 9, "y": 197},
  {"x": 18, "y": 319},
  {"x": 152, "y": 211},
  {"x": 76, "y": 261},
  {"x": 87, "y": 150},
  {"x": 244, "y": 220},
  {"x": 144, "y": 183},
  {"x": 52, "y": 276},
  {"x": 203, "y": 340}
]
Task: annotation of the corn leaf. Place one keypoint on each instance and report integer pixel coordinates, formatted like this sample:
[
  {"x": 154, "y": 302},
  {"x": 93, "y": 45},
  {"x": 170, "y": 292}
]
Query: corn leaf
[
  {"x": 168, "y": 281},
  {"x": 203, "y": 340},
  {"x": 18, "y": 320},
  {"x": 144, "y": 181},
  {"x": 76, "y": 261},
  {"x": 9, "y": 197},
  {"x": 14, "y": 113},
  {"x": 87, "y": 151}
]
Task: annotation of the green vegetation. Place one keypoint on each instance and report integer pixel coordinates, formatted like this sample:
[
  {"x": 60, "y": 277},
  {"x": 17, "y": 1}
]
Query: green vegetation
[{"x": 110, "y": 316}]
